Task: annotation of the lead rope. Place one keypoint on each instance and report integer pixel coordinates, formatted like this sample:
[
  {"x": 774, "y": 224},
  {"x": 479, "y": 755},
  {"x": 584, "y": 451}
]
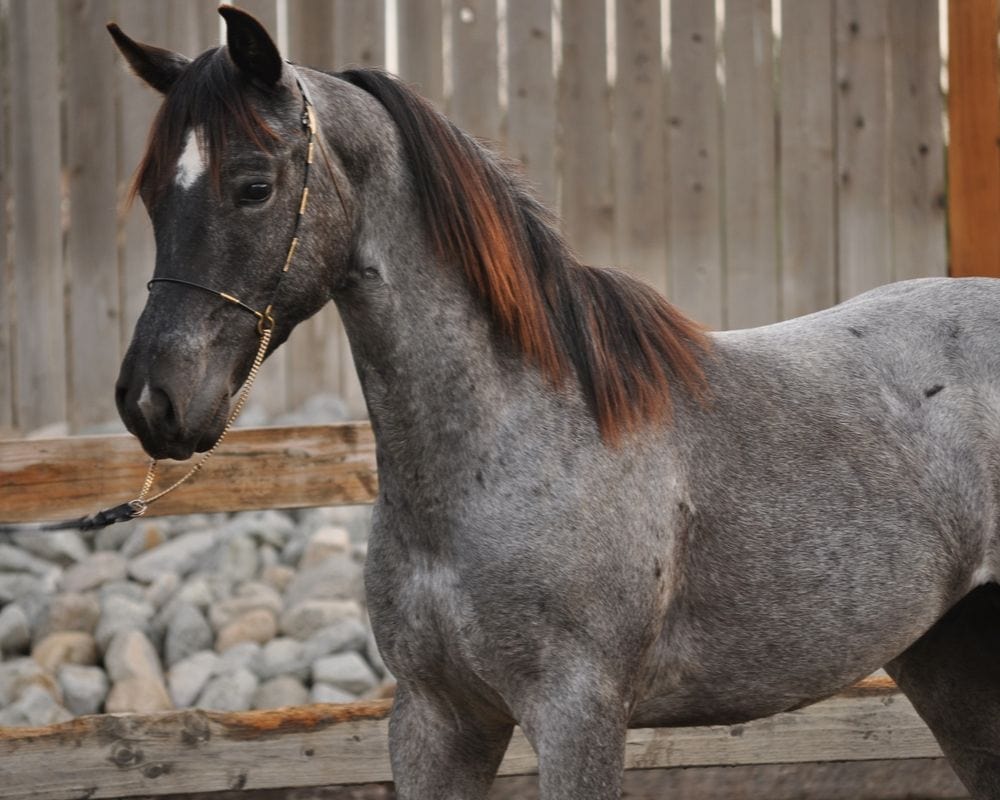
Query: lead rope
[{"x": 265, "y": 328}]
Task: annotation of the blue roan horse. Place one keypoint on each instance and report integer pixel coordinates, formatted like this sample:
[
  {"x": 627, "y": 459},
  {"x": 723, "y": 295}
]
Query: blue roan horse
[{"x": 592, "y": 514}]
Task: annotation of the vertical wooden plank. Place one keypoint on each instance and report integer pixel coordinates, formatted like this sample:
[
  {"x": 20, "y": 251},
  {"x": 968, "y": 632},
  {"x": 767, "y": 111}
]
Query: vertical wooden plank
[
  {"x": 420, "y": 26},
  {"x": 806, "y": 158},
  {"x": 863, "y": 219},
  {"x": 35, "y": 185},
  {"x": 531, "y": 109},
  {"x": 694, "y": 160},
  {"x": 311, "y": 25},
  {"x": 586, "y": 203},
  {"x": 360, "y": 32},
  {"x": 475, "y": 106},
  {"x": 917, "y": 151},
  {"x": 974, "y": 130},
  {"x": 137, "y": 108},
  {"x": 91, "y": 247},
  {"x": 314, "y": 349},
  {"x": 751, "y": 192},
  {"x": 6, "y": 278},
  {"x": 640, "y": 190},
  {"x": 266, "y": 12},
  {"x": 192, "y": 26}
]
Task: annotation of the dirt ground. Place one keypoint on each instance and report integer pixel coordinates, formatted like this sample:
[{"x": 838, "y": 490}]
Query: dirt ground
[{"x": 914, "y": 779}]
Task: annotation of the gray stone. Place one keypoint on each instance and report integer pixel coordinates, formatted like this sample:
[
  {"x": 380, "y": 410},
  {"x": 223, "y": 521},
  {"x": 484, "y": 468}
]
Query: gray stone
[
  {"x": 283, "y": 656},
  {"x": 347, "y": 671},
  {"x": 65, "y": 647},
  {"x": 337, "y": 578},
  {"x": 94, "y": 571},
  {"x": 131, "y": 655},
  {"x": 259, "y": 625},
  {"x": 114, "y": 536},
  {"x": 34, "y": 707},
  {"x": 187, "y": 633},
  {"x": 311, "y": 616},
  {"x": 280, "y": 692},
  {"x": 18, "y": 674},
  {"x": 123, "y": 588},
  {"x": 15, "y": 585},
  {"x": 241, "y": 656},
  {"x": 180, "y": 555},
  {"x": 120, "y": 613},
  {"x": 14, "y": 559},
  {"x": 84, "y": 688},
  {"x": 267, "y": 557},
  {"x": 327, "y": 541},
  {"x": 236, "y": 557},
  {"x": 340, "y": 637},
  {"x": 273, "y": 527},
  {"x": 187, "y": 678},
  {"x": 15, "y": 632},
  {"x": 356, "y": 519},
  {"x": 60, "y": 547},
  {"x": 325, "y": 693},
  {"x": 250, "y": 596},
  {"x": 69, "y": 611},
  {"x": 162, "y": 589},
  {"x": 231, "y": 691},
  {"x": 277, "y": 576},
  {"x": 148, "y": 535}
]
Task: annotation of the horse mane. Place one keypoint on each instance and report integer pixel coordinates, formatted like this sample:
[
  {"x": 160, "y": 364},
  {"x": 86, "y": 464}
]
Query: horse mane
[
  {"x": 625, "y": 342},
  {"x": 210, "y": 96}
]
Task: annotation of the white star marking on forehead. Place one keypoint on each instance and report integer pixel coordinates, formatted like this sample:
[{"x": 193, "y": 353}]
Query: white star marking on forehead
[{"x": 191, "y": 164}]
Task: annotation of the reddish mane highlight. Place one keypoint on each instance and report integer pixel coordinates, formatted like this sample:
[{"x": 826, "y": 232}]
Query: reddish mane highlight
[{"x": 626, "y": 343}]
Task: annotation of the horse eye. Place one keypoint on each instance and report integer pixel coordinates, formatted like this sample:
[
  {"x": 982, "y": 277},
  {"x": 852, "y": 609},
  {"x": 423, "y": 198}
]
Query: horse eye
[{"x": 255, "y": 192}]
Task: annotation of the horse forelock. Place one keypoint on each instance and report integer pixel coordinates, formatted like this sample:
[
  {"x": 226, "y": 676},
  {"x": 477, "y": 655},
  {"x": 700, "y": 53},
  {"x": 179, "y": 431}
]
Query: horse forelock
[
  {"x": 208, "y": 102},
  {"x": 626, "y": 343}
]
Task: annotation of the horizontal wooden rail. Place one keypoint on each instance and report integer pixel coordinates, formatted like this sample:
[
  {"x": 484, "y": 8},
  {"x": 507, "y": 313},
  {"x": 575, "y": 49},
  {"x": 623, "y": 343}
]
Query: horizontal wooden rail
[
  {"x": 124, "y": 755},
  {"x": 291, "y": 467}
]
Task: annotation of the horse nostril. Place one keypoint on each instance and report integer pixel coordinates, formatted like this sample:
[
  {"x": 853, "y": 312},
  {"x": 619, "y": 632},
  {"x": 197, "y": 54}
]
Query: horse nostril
[{"x": 157, "y": 408}]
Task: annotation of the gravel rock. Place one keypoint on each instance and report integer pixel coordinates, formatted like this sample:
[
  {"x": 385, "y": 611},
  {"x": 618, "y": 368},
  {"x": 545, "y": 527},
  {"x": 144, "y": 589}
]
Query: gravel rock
[
  {"x": 281, "y": 691},
  {"x": 267, "y": 557},
  {"x": 123, "y": 588},
  {"x": 147, "y": 535},
  {"x": 283, "y": 656},
  {"x": 120, "y": 613},
  {"x": 251, "y": 596},
  {"x": 84, "y": 688},
  {"x": 65, "y": 647},
  {"x": 114, "y": 536},
  {"x": 141, "y": 695},
  {"x": 346, "y": 671},
  {"x": 347, "y": 635},
  {"x": 94, "y": 571},
  {"x": 236, "y": 557},
  {"x": 15, "y": 585},
  {"x": 337, "y": 578},
  {"x": 162, "y": 589},
  {"x": 311, "y": 616},
  {"x": 15, "y": 631},
  {"x": 231, "y": 691},
  {"x": 14, "y": 559},
  {"x": 188, "y": 632},
  {"x": 259, "y": 625},
  {"x": 188, "y": 678},
  {"x": 325, "y": 542},
  {"x": 35, "y": 706},
  {"x": 239, "y": 656},
  {"x": 60, "y": 547},
  {"x": 326, "y": 693},
  {"x": 131, "y": 655},
  {"x": 272, "y": 527},
  {"x": 19, "y": 674},
  {"x": 277, "y": 576},
  {"x": 70, "y": 611},
  {"x": 180, "y": 555}
]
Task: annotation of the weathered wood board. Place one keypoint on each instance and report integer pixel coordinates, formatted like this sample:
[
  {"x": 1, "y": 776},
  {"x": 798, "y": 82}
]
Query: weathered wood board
[
  {"x": 123, "y": 755},
  {"x": 49, "y": 479}
]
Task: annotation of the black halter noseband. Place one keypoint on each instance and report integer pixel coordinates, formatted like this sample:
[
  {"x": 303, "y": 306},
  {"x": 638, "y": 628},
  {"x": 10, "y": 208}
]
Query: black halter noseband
[{"x": 265, "y": 318}]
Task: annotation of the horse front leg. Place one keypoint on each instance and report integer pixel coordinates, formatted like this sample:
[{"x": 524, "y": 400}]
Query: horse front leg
[
  {"x": 578, "y": 732},
  {"x": 442, "y": 750}
]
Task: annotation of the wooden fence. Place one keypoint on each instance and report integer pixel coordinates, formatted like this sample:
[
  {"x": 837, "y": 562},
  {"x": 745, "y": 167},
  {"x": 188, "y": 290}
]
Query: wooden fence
[
  {"x": 754, "y": 159},
  {"x": 131, "y": 755}
]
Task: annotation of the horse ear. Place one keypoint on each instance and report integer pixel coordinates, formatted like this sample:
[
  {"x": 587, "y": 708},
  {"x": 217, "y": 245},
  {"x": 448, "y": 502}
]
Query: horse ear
[
  {"x": 156, "y": 66},
  {"x": 250, "y": 47}
]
